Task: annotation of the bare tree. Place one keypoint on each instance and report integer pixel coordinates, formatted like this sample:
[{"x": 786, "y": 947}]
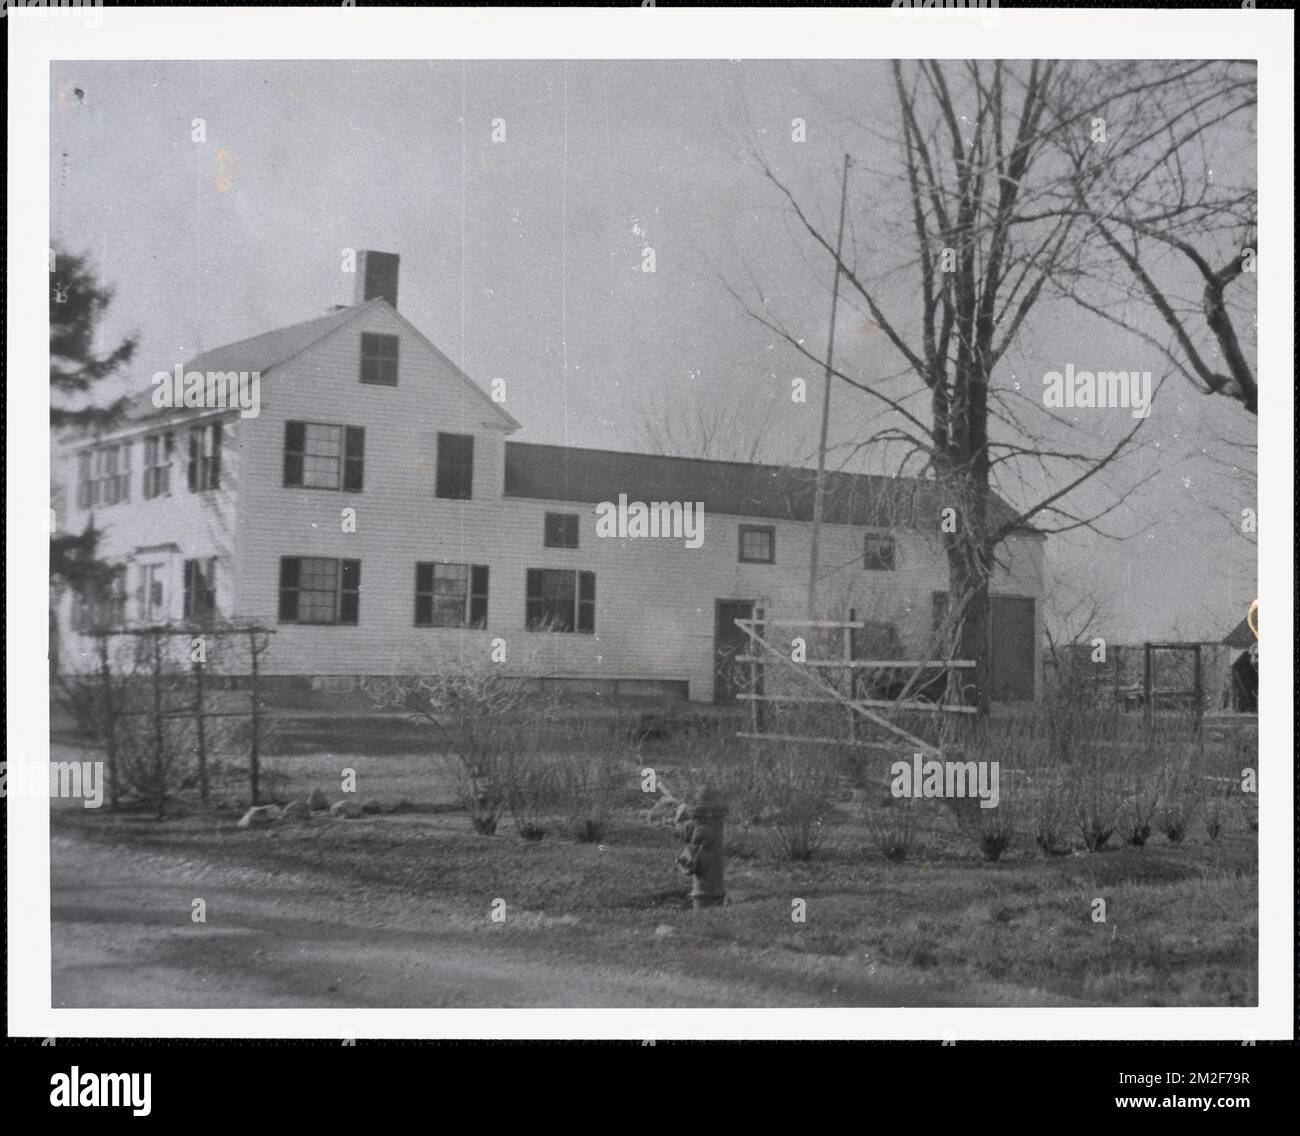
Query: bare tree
[
  {"x": 981, "y": 165},
  {"x": 708, "y": 426},
  {"x": 1167, "y": 182}
]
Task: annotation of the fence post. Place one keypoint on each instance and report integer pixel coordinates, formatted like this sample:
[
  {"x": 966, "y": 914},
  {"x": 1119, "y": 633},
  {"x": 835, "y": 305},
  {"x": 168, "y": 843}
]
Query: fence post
[
  {"x": 254, "y": 755},
  {"x": 852, "y": 674},
  {"x": 200, "y": 730},
  {"x": 158, "y": 770},
  {"x": 109, "y": 718},
  {"x": 1148, "y": 688}
]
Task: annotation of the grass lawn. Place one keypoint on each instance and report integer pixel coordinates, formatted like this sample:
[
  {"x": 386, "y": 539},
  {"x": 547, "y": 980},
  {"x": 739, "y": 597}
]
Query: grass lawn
[{"x": 1180, "y": 920}]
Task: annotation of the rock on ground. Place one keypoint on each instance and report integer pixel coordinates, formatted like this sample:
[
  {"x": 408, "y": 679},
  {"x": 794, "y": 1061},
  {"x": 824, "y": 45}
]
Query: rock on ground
[
  {"x": 259, "y": 815},
  {"x": 345, "y": 808}
]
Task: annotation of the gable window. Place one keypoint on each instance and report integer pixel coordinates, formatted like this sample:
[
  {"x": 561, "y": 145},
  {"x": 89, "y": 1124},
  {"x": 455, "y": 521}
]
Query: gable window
[
  {"x": 379, "y": 359},
  {"x": 205, "y": 457},
  {"x": 158, "y": 465},
  {"x": 560, "y": 530},
  {"x": 321, "y": 456},
  {"x": 200, "y": 589},
  {"x": 878, "y": 552},
  {"x": 560, "y": 599},
  {"x": 318, "y": 589},
  {"x": 455, "y": 466},
  {"x": 757, "y": 544},
  {"x": 451, "y": 595}
]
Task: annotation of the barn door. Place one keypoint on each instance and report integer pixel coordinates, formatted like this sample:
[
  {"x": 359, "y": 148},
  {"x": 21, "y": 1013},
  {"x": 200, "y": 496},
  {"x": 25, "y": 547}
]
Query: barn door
[
  {"x": 1012, "y": 643},
  {"x": 728, "y": 642}
]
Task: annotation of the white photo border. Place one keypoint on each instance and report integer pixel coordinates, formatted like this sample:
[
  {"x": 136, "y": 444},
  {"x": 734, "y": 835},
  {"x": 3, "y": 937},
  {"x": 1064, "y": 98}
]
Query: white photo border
[{"x": 38, "y": 37}]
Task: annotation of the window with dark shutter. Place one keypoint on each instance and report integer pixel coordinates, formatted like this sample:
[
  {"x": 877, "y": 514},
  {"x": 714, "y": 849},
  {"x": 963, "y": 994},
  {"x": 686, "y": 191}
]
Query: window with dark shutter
[
  {"x": 290, "y": 567},
  {"x": 450, "y": 595},
  {"x": 200, "y": 580},
  {"x": 316, "y": 589},
  {"x": 455, "y": 466},
  {"x": 587, "y": 602},
  {"x": 205, "y": 458},
  {"x": 320, "y": 455},
  {"x": 379, "y": 359},
  {"x": 295, "y": 434},
  {"x": 354, "y": 456},
  {"x": 478, "y": 596},
  {"x": 350, "y": 591},
  {"x": 560, "y": 530},
  {"x": 560, "y": 599}
]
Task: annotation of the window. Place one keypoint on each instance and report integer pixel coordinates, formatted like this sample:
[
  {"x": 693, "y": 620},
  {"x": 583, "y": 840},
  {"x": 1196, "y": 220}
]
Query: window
[
  {"x": 151, "y": 595},
  {"x": 561, "y": 530},
  {"x": 104, "y": 476},
  {"x": 158, "y": 465},
  {"x": 320, "y": 456},
  {"x": 456, "y": 466},
  {"x": 878, "y": 553},
  {"x": 319, "y": 590},
  {"x": 200, "y": 589},
  {"x": 101, "y": 605},
  {"x": 757, "y": 544},
  {"x": 379, "y": 359},
  {"x": 561, "y": 600},
  {"x": 451, "y": 595},
  {"x": 205, "y": 457}
]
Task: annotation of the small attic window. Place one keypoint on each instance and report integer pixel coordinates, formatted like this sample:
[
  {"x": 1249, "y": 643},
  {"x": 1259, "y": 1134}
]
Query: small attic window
[{"x": 379, "y": 359}]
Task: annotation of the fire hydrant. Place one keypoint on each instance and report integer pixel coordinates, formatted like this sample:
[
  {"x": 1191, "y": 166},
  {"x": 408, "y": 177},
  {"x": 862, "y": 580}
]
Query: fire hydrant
[{"x": 704, "y": 856}]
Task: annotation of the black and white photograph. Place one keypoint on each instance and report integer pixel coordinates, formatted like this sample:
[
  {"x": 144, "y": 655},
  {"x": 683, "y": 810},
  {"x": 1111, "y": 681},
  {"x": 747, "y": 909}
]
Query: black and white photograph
[{"x": 658, "y": 533}]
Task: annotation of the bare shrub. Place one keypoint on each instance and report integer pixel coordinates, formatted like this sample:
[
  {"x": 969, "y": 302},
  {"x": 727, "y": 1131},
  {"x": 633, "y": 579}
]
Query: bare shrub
[
  {"x": 798, "y": 785},
  {"x": 1051, "y": 815},
  {"x": 1138, "y": 809},
  {"x": 476, "y": 714},
  {"x": 892, "y": 829},
  {"x": 1177, "y": 797}
]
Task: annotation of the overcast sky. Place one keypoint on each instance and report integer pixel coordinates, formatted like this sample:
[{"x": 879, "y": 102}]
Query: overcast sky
[{"x": 523, "y": 260}]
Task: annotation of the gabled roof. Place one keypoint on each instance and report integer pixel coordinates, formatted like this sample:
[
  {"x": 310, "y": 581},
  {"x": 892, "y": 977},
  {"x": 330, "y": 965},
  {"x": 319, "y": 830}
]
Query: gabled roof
[
  {"x": 263, "y": 353},
  {"x": 562, "y": 473}
]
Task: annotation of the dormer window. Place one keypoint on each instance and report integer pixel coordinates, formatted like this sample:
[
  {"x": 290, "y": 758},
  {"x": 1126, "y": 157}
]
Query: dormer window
[{"x": 379, "y": 359}]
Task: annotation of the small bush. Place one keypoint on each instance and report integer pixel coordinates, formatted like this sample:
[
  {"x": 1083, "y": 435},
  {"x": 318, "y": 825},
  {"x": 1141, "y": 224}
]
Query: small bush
[{"x": 892, "y": 830}]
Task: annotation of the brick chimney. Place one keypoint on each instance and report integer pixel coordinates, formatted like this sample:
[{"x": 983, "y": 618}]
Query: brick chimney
[{"x": 377, "y": 276}]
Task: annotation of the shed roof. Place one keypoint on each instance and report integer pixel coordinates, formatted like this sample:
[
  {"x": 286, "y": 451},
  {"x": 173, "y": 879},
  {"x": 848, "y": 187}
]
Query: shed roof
[{"x": 565, "y": 473}]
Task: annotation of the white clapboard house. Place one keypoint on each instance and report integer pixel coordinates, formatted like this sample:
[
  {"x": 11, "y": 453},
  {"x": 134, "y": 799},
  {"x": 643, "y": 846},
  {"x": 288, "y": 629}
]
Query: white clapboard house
[{"x": 375, "y": 514}]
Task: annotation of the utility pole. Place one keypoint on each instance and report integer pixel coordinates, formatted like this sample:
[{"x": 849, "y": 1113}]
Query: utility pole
[{"x": 819, "y": 498}]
